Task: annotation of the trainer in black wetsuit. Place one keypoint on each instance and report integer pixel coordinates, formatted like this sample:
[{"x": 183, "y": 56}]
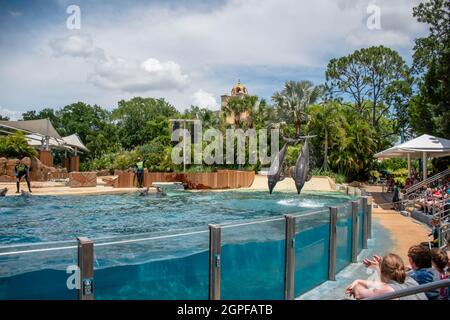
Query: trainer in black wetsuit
[
  {"x": 139, "y": 171},
  {"x": 22, "y": 170}
]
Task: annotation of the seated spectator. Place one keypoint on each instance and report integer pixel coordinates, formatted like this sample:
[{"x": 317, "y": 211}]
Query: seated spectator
[
  {"x": 439, "y": 261},
  {"x": 420, "y": 261},
  {"x": 393, "y": 277},
  {"x": 434, "y": 232},
  {"x": 408, "y": 184}
]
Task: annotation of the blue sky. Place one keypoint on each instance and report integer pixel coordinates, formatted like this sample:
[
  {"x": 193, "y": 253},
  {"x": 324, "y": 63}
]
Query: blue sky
[{"x": 189, "y": 52}]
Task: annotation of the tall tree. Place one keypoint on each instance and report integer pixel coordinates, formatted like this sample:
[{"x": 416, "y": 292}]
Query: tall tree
[
  {"x": 375, "y": 76},
  {"x": 291, "y": 102},
  {"x": 132, "y": 119},
  {"x": 430, "y": 111},
  {"x": 326, "y": 122}
]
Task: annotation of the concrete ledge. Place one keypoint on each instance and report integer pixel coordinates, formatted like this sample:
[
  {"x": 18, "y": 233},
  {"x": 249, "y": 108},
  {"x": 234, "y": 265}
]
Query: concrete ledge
[{"x": 422, "y": 217}]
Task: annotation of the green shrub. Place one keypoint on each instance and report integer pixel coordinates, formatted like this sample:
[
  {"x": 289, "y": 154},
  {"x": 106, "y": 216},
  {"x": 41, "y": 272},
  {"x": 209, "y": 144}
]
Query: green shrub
[{"x": 16, "y": 146}]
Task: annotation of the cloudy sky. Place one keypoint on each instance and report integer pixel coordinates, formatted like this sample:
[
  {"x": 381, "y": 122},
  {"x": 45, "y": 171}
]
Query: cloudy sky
[{"x": 187, "y": 51}]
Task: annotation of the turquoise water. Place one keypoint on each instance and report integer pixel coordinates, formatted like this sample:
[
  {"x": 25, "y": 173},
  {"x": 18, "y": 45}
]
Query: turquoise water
[{"x": 174, "y": 267}]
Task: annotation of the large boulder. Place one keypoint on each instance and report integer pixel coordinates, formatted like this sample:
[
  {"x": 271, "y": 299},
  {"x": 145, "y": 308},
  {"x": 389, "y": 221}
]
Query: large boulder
[
  {"x": 82, "y": 179},
  {"x": 36, "y": 173},
  {"x": 10, "y": 167}
]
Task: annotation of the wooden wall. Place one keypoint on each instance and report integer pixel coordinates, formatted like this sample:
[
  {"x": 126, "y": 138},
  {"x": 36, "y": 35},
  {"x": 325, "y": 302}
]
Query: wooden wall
[
  {"x": 222, "y": 179},
  {"x": 46, "y": 157}
]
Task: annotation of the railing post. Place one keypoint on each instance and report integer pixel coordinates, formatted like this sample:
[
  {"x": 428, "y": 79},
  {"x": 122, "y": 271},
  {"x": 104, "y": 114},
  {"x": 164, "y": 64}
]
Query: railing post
[
  {"x": 354, "y": 231},
  {"x": 214, "y": 262},
  {"x": 369, "y": 218},
  {"x": 365, "y": 221},
  {"x": 86, "y": 266},
  {"x": 332, "y": 245},
  {"x": 289, "y": 270}
]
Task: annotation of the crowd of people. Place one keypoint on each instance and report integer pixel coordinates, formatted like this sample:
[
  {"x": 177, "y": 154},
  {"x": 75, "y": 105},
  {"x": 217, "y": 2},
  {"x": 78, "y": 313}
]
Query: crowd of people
[{"x": 425, "y": 265}]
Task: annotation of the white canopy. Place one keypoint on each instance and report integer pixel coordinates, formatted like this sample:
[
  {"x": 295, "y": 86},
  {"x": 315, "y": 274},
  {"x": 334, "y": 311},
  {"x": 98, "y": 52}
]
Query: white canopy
[
  {"x": 435, "y": 147},
  {"x": 36, "y": 140},
  {"x": 75, "y": 141},
  {"x": 422, "y": 147},
  {"x": 68, "y": 143}
]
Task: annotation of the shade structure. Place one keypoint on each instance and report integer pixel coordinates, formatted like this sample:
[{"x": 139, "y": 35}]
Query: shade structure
[
  {"x": 36, "y": 140},
  {"x": 423, "y": 147},
  {"x": 41, "y": 127},
  {"x": 434, "y": 147},
  {"x": 75, "y": 142}
]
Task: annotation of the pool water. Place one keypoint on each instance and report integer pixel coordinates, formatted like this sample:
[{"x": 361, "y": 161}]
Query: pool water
[
  {"x": 56, "y": 218},
  {"x": 172, "y": 262}
]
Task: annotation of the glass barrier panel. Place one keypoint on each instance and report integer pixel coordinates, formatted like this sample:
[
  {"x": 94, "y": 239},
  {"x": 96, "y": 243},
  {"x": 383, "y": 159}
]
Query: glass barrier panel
[
  {"x": 162, "y": 266},
  {"x": 344, "y": 237},
  {"x": 38, "y": 272},
  {"x": 311, "y": 250},
  {"x": 252, "y": 261},
  {"x": 360, "y": 225}
]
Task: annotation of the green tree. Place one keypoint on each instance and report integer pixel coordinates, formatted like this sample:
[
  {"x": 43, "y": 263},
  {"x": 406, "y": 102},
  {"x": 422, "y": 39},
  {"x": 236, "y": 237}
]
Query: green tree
[
  {"x": 133, "y": 116},
  {"x": 377, "y": 77},
  {"x": 326, "y": 122},
  {"x": 291, "y": 102},
  {"x": 209, "y": 118},
  {"x": 429, "y": 112}
]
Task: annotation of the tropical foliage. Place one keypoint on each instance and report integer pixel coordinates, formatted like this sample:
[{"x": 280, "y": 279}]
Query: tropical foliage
[{"x": 15, "y": 146}]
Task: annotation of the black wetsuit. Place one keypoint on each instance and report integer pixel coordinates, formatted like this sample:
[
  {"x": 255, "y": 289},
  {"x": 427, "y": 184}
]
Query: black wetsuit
[
  {"x": 22, "y": 171},
  {"x": 139, "y": 170}
]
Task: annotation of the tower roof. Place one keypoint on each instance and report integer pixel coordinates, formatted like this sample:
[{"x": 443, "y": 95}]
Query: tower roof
[{"x": 238, "y": 88}]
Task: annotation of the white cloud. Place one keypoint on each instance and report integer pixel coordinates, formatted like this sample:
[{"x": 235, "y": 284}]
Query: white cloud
[
  {"x": 148, "y": 48},
  {"x": 131, "y": 76},
  {"x": 116, "y": 73},
  {"x": 11, "y": 114},
  {"x": 78, "y": 45},
  {"x": 15, "y": 14},
  {"x": 377, "y": 37},
  {"x": 204, "y": 99}
]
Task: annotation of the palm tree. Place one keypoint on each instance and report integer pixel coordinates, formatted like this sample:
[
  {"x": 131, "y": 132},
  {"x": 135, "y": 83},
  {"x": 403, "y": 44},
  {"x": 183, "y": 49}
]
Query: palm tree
[
  {"x": 326, "y": 121},
  {"x": 237, "y": 107},
  {"x": 293, "y": 100}
]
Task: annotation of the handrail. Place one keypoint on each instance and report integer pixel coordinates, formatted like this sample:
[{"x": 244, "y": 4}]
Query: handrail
[
  {"x": 410, "y": 291},
  {"x": 426, "y": 181}
]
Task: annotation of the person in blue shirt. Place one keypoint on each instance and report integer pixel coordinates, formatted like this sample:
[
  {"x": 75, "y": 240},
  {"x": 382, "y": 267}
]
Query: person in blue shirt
[{"x": 420, "y": 261}]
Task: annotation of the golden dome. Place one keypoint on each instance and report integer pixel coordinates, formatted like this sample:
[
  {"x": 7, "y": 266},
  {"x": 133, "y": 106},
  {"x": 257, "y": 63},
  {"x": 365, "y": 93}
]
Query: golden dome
[{"x": 238, "y": 88}]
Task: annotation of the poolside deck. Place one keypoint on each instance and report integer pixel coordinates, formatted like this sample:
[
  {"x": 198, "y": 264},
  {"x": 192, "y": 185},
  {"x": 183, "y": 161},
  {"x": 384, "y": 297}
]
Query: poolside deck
[{"x": 60, "y": 188}]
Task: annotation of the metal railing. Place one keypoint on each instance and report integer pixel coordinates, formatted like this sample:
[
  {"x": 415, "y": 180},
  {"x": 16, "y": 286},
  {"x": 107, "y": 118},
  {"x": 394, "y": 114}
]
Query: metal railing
[
  {"x": 413, "y": 290},
  {"x": 432, "y": 179}
]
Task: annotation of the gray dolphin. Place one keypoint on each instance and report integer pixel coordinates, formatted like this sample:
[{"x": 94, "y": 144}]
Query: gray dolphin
[
  {"x": 302, "y": 167},
  {"x": 3, "y": 192},
  {"x": 275, "y": 173}
]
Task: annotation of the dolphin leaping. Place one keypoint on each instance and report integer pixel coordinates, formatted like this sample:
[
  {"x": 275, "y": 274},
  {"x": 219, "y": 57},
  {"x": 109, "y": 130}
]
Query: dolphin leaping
[
  {"x": 276, "y": 169},
  {"x": 301, "y": 172}
]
